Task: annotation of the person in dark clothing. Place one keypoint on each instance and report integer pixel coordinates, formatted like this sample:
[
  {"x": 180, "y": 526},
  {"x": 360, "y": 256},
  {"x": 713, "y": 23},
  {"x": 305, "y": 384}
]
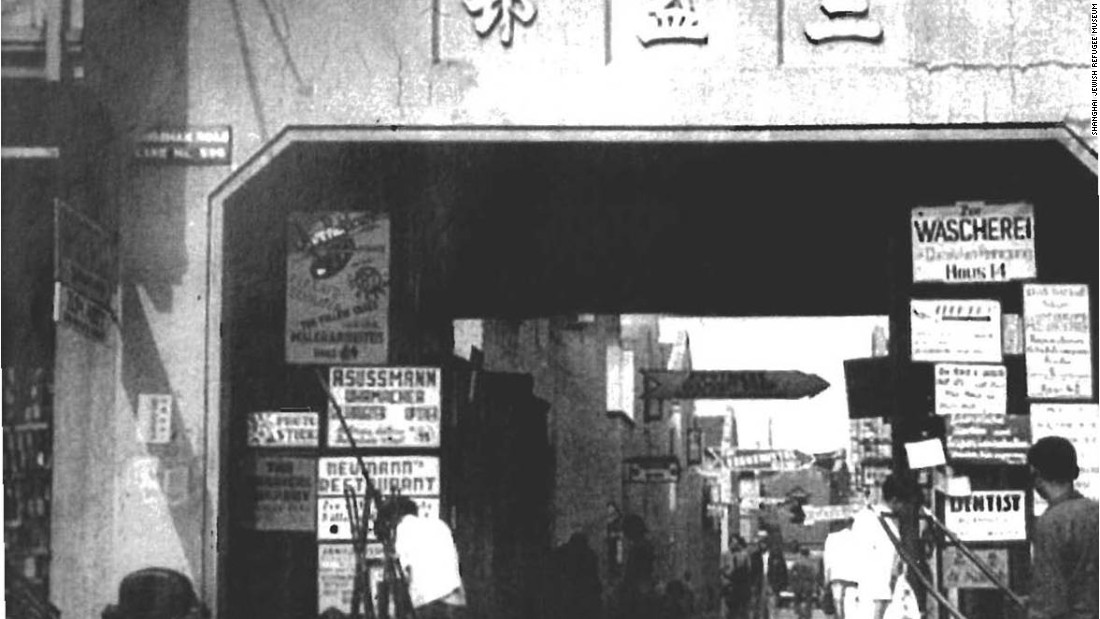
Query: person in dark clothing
[
  {"x": 805, "y": 583},
  {"x": 637, "y": 598},
  {"x": 577, "y": 590},
  {"x": 1064, "y": 560}
]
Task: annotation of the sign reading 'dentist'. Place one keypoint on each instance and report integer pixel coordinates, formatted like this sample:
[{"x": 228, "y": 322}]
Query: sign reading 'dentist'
[
  {"x": 337, "y": 288},
  {"x": 973, "y": 242},
  {"x": 987, "y": 516},
  {"x": 385, "y": 407},
  {"x": 1057, "y": 341},
  {"x": 955, "y": 330}
]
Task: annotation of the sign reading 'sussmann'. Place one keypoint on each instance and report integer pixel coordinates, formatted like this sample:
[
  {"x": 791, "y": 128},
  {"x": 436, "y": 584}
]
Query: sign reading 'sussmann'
[
  {"x": 973, "y": 242},
  {"x": 337, "y": 305},
  {"x": 385, "y": 406}
]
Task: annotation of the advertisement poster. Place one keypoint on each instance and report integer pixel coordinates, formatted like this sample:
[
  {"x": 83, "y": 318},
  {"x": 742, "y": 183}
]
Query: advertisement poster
[
  {"x": 1057, "y": 341},
  {"x": 337, "y": 305},
  {"x": 385, "y": 407},
  {"x": 414, "y": 476},
  {"x": 1078, "y": 423},
  {"x": 335, "y": 576},
  {"x": 959, "y": 572},
  {"x": 333, "y": 523},
  {"x": 971, "y": 390},
  {"x": 282, "y": 429},
  {"x": 973, "y": 242},
  {"x": 1003, "y": 439},
  {"x": 987, "y": 516},
  {"x": 956, "y": 330},
  {"x": 283, "y": 493}
]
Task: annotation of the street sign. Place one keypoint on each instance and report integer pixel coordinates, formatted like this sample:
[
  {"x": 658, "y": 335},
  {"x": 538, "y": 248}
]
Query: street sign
[
  {"x": 769, "y": 459},
  {"x": 652, "y": 469},
  {"x": 731, "y": 384}
]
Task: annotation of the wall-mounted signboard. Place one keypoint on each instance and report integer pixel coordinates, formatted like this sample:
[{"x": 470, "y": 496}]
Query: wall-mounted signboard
[
  {"x": 987, "y": 516},
  {"x": 335, "y": 576},
  {"x": 959, "y": 572},
  {"x": 653, "y": 469},
  {"x": 187, "y": 146},
  {"x": 1057, "y": 341},
  {"x": 338, "y": 295},
  {"x": 286, "y": 428},
  {"x": 973, "y": 242},
  {"x": 969, "y": 390},
  {"x": 964, "y": 330},
  {"x": 414, "y": 476},
  {"x": 283, "y": 493},
  {"x": 1078, "y": 423},
  {"x": 386, "y": 406}
]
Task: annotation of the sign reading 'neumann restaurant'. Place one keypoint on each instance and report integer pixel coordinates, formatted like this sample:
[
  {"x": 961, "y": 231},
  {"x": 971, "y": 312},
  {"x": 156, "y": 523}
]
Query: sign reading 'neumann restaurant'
[{"x": 973, "y": 242}]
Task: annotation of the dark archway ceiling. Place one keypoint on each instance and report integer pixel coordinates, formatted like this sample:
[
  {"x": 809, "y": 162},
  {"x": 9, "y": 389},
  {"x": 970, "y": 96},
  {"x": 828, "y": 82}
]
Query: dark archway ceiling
[{"x": 687, "y": 228}]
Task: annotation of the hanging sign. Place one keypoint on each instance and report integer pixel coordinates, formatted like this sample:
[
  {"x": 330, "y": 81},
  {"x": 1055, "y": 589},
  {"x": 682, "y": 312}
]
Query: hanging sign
[
  {"x": 959, "y": 572},
  {"x": 1078, "y": 423},
  {"x": 652, "y": 469},
  {"x": 86, "y": 257},
  {"x": 973, "y": 242},
  {"x": 987, "y": 516},
  {"x": 825, "y": 513},
  {"x": 337, "y": 305},
  {"x": 335, "y": 577},
  {"x": 284, "y": 493},
  {"x": 83, "y": 315},
  {"x": 955, "y": 330},
  {"x": 971, "y": 390},
  {"x": 1057, "y": 341},
  {"x": 385, "y": 407},
  {"x": 285, "y": 428}
]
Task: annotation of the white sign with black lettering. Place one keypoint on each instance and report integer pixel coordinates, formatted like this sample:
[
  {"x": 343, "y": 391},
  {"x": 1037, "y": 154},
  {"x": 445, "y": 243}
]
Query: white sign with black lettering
[
  {"x": 955, "y": 330},
  {"x": 987, "y": 516},
  {"x": 386, "y": 407},
  {"x": 1078, "y": 423},
  {"x": 282, "y": 429},
  {"x": 971, "y": 391},
  {"x": 335, "y": 576},
  {"x": 1057, "y": 341},
  {"x": 333, "y": 523},
  {"x": 973, "y": 242},
  {"x": 409, "y": 475}
]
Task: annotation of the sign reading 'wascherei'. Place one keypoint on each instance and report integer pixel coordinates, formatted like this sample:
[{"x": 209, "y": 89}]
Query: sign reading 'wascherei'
[{"x": 973, "y": 242}]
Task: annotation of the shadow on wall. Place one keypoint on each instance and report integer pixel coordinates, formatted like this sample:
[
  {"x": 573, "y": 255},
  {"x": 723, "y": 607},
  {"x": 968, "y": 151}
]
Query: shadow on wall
[{"x": 164, "y": 483}]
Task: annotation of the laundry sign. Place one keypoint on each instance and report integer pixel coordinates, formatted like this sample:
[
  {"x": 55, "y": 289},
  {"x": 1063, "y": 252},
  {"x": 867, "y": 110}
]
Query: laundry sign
[
  {"x": 986, "y": 516},
  {"x": 973, "y": 242}
]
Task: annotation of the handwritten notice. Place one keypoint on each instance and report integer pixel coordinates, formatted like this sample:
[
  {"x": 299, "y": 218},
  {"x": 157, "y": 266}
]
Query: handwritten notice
[
  {"x": 282, "y": 429},
  {"x": 337, "y": 305},
  {"x": 284, "y": 493},
  {"x": 973, "y": 242},
  {"x": 956, "y": 330},
  {"x": 971, "y": 390},
  {"x": 386, "y": 407},
  {"x": 1057, "y": 349},
  {"x": 333, "y": 523},
  {"x": 1078, "y": 423},
  {"x": 335, "y": 576},
  {"x": 959, "y": 572},
  {"x": 987, "y": 516}
]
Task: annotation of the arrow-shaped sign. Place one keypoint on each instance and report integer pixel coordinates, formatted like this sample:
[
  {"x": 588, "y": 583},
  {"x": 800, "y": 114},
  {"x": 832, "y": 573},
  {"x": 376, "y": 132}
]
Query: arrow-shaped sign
[
  {"x": 769, "y": 459},
  {"x": 731, "y": 384}
]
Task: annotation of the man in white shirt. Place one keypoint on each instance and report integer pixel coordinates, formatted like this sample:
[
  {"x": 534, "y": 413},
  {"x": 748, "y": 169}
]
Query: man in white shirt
[
  {"x": 427, "y": 552},
  {"x": 842, "y": 569},
  {"x": 879, "y": 563}
]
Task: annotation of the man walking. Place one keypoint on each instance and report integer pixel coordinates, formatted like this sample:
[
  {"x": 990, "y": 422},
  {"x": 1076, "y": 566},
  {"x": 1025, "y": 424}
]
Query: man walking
[{"x": 1064, "y": 547}]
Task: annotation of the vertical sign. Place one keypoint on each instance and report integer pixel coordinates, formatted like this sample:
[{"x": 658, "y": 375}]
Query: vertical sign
[
  {"x": 154, "y": 418},
  {"x": 973, "y": 242},
  {"x": 335, "y": 576},
  {"x": 284, "y": 493},
  {"x": 337, "y": 306},
  {"x": 987, "y": 516},
  {"x": 1057, "y": 349},
  {"x": 1078, "y": 423},
  {"x": 956, "y": 330},
  {"x": 385, "y": 407}
]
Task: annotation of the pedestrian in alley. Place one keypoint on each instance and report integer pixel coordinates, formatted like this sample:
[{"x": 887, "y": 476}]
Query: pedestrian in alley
[
  {"x": 1064, "y": 543},
  {"x": 879, "y": 564},
  {"x": 426, "y": 548},
  {"x": 637, "y": 590},
  {"x": 805, "y": 582},
  {"x": 842, "y": 569},
  {"x": 737, "y": 579},
  {"x": 575, "y": 581}
]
